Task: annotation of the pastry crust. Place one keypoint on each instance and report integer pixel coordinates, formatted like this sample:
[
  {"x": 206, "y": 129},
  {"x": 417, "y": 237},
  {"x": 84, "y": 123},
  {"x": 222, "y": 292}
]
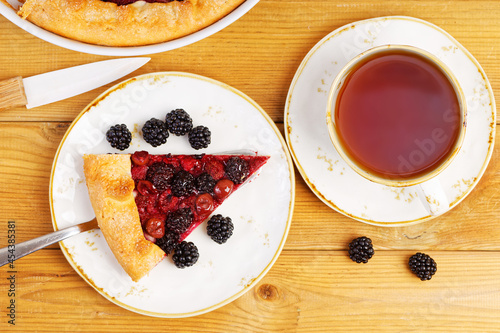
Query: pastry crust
[
  {"x": 110, "y": 187},
  {"x": 139, "y": 23}
]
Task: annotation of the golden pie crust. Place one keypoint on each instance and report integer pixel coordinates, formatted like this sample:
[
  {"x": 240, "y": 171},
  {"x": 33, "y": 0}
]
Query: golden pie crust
[
  {"x": 110, "y": 185},
  {"x": 139, "y": 23}
]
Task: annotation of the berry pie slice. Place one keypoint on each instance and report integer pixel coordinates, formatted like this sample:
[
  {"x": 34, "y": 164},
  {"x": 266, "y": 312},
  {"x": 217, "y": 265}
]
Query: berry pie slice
[{"x": 146, "y": 204}]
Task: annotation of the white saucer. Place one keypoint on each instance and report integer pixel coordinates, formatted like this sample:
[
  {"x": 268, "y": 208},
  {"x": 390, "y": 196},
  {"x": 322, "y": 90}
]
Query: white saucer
[{"x": 328, "y": 176}]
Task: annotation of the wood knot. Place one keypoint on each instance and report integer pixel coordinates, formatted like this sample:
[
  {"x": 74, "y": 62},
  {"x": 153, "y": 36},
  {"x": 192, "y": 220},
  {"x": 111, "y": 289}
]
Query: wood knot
[{"x": 268, "y": 292}]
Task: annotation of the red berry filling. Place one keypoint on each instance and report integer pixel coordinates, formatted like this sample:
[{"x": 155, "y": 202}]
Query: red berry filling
[{"x": 167, "y": 185}]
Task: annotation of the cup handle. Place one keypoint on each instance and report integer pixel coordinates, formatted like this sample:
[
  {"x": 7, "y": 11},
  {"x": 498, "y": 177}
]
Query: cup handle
[{"x": 433, "y": 197}]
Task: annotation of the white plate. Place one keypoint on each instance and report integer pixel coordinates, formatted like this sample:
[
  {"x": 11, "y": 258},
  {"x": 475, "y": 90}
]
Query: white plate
[
  {"x": 328, "y": 176},
  {"x": 261, "y": 210},
  {"x": 74, "y": 45}
]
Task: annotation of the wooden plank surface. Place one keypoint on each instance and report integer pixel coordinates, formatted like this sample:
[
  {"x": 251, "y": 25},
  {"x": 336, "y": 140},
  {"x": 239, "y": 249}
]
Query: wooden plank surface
[
  {"x": 313, "y": 287},
  {"x": 306, "y": 291}
]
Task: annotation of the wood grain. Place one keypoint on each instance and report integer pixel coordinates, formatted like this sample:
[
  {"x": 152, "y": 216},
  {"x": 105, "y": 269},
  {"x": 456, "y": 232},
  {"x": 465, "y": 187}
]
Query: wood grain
[
  {"x": 313, "y": 287},
  {"x": 259, "y": 53},
  {"x": 315, "y": 226},
  {"x": 305, "y": 291},
  {"x": 12, "y": 93}
]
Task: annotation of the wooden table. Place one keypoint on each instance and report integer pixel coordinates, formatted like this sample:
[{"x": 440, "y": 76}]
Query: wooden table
[{"x": 313, "y": 286}]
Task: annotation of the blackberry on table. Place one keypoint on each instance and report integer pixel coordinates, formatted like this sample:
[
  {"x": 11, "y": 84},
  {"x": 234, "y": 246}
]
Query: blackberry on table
[
  {"x": 185, "y": 254},
  {"x": 220, "y": 228},
  {"x": 182, "y": 183},
  {"x": 422, "y": 265},
  {"x": 237, "y": 169},
  {"x": 160, "y": 174},
  {"x": 178, "y": 122},
  {"x": 199, "y": 137},
  {"x": 168, "y": 242},
  {"x": 155, "y": 132},
  {"x": 119, "y": 136},
  {"x": 205, "y": 183},
  {"x": 361, "y": 249},
  {"x": 179, "y": 221}
]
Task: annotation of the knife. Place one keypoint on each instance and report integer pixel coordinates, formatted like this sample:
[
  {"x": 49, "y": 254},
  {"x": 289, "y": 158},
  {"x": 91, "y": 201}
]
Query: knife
[{"x": 54, "y": 86}]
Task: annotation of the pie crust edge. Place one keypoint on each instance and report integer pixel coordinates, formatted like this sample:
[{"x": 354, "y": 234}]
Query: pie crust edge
[
  {"x": 110, "y": 185},
  {"x": 140, "y": 23}
]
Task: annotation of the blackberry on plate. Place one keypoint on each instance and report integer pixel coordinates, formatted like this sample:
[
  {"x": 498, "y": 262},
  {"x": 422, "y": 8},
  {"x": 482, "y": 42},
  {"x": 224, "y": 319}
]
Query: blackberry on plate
[
  {"x": 182, "y": 183},
  {"x": 205, "y": 183},
  {"x": 220, "y": 228},
  {"x": 179, "y": 221},
  {"x": 119, "y": 136},
  {"x": 155, "y": 132},
  {"x": 185, "y": 254},
  {"x": 237, "y": 169},
  {"x": 422, "y": 265},
  {"x": 168, "y": 242},
  {"x": 199, "y": 137},
  {"x": 178, "y": 122},
  {"x": 160, "y": 174},
  {"x": 361, "y": 249}
]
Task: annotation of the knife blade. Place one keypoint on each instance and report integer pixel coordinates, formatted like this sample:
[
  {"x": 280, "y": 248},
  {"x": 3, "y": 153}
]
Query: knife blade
[{"x": 57, "y": 85}]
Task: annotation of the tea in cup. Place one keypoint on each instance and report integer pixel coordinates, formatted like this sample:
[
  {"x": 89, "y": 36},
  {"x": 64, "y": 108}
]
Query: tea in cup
[{"x": 396, "y": 115}]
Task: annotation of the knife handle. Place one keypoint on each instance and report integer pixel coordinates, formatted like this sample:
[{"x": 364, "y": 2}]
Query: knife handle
[{"x": 12, "y": 93}]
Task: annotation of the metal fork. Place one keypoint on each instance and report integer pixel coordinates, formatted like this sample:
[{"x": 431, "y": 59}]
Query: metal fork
[{"x": 22, "y": 249}]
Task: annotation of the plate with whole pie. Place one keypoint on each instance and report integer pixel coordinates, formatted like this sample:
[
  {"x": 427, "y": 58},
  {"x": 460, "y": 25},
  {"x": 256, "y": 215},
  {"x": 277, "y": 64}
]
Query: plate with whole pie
[
  {"x": 193, "y": 192},
  {"x": 123, "y": 27}
]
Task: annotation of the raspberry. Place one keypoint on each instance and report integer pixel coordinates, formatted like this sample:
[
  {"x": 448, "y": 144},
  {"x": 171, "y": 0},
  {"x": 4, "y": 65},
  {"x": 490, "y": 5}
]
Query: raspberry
[
  {"x": 199, "y": 137},
  {"x": 155, "y": 132},
  {"x": 361, "y": 250},
  {"x": 119, "y": 136},
  {"x": 185, "y": 254},
  {"x": 220, "y": 228},
  {"x": 214, "y": 169},
  {"x": 179, "y": 122}
]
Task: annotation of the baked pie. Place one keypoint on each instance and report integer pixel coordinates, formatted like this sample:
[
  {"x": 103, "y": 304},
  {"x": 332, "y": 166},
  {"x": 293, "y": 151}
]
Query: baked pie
[
  {"x": 146, "y": 204},
  {"x": 125, "y": 22}
]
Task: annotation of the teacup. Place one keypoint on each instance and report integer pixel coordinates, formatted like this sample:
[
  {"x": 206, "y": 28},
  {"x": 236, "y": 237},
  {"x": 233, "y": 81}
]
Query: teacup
[{"x": 397, "y": 115}]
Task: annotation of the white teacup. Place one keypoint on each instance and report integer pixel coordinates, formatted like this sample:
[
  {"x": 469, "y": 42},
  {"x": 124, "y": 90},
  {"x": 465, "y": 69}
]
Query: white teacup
[{"x": 432, "y": 194}]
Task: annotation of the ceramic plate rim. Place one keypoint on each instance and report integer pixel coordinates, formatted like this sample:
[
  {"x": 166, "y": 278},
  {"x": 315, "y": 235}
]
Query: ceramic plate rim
[
  {"x": 302, "y": 172},
  {"x": 78, "y": 46},
  {"x": 279, "y": 249}
]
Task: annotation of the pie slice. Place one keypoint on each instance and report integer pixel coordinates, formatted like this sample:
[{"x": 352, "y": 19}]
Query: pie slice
[
  {"x": 146, "y": 204},
  {"x": 125, "y": 22}
]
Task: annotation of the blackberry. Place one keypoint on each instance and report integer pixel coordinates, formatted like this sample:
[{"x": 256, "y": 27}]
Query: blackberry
[
  {"x": 199, "y": 137},
  {"x": 237, "y": 169},
  {"x": 155, "y": 132},
  {"x": 422, "y": 265},
  {"x": 119, "y": 136},
  {"x": 160, "y": 174},
  {"x": 168, "y": 242},
  {"x": 182, "y": 183},
  {"x": 185, "y": 254},
  {"x": 179, "y": 221},
  {"x": 361, "y": 249},
  {"x": 220, "y": 228},
  {"x": 205, "y": 183},
  {"x": 178, "y": 122}
]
